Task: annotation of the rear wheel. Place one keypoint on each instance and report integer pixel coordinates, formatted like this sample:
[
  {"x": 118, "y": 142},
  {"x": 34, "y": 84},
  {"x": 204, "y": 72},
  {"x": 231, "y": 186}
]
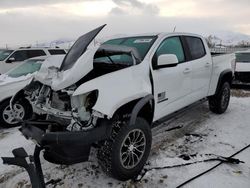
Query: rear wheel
[
  {"x": 125, "y": 153},
  {"x": 8, "y": 118},
  {"x": 219, "y": 102}
]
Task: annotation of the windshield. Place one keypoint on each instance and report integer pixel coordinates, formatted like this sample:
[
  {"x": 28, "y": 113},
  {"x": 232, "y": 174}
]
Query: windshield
[
  {"x": 141, "y": 44},
  {"x": 30, "y": 66},
  {"x": 4, "y": 54},
  {"x": 243, "y": 57}
]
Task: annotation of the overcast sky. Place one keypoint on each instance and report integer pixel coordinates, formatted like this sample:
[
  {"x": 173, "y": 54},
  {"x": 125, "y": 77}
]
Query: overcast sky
[{"x": 30, "y": 21}]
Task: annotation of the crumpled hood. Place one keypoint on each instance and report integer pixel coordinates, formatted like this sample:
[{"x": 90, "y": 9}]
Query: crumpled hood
[
  {"x": 51, "y": 76},
  {"x": 77, "y": 63},
  {"x": 49, "y": 69}
]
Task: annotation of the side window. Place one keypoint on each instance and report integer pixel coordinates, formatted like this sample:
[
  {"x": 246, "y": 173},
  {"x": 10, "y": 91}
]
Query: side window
[
  {"x": 196, "y": 47},
  {"x": 35, "y": 53},
  {"x": 56, "y": 52},
  {"x": 20, "y": 55},
  {"x": 171, "y": 46}
]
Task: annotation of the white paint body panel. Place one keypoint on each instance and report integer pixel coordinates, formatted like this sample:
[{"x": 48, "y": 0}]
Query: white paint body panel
[
  {"x": 45, "y": 74},
  {"x": 82, "y": 67},
  {"x": 118, "y": 88},
  {"x": 220, "y": 63}
]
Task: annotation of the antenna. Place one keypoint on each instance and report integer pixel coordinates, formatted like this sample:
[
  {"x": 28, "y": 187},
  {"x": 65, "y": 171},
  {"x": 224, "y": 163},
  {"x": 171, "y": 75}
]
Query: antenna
[{"x": 174, "y": 29}]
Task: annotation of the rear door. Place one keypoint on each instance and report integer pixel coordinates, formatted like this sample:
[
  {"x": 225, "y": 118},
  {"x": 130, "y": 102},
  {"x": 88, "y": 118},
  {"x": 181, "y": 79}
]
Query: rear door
[
  {"x": 201, "y": 67},
  {"x": 172, "y": 85}
]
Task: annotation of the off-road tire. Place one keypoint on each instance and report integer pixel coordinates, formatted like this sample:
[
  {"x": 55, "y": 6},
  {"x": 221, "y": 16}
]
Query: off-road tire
[
  {"x": 109, "y": 152},
  {"x": 220, "y": 101},
  {"x": 27, "y": 110}
]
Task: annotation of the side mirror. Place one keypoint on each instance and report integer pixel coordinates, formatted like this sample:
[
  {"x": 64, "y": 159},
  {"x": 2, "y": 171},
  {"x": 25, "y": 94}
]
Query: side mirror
[
  {"x": 10, "y": 60},
  {"x": 167, "y": 60}
]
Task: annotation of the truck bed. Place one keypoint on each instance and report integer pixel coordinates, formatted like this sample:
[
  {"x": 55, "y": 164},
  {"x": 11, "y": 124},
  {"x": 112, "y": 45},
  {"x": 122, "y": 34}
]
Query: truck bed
[{"x": 221, "y": 62}]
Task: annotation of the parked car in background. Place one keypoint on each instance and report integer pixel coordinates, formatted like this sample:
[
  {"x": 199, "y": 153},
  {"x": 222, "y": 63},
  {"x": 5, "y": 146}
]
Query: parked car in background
[
  {"x": 12, "y": 58},
  {"x": 14, "y": 80},
  {"x": 242, "y": 67}
]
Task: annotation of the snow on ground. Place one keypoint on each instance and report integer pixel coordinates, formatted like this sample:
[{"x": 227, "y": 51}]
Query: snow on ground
[{"x": 201, "y": 132}]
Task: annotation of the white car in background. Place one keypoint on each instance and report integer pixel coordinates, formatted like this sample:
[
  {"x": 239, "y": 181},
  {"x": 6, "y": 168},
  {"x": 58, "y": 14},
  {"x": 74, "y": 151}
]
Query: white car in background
[
  {"x": 14, "y": 80},
  {"x": 11, "y": 58},
  {"x": 242, "y": 67}
]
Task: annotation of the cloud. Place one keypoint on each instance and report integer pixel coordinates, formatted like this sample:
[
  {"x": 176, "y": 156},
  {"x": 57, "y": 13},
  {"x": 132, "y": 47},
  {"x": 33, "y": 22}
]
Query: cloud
[
  {"x": 134, "y": 6},
  {"x": 8, "y": 4},
  {"x": 47, "y": 20},
  {"x": 117, "y": 11}
]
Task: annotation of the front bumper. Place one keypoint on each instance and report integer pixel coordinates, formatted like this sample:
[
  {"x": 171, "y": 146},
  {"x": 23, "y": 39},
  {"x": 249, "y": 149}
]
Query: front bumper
[{"x": 60, "y": 146}]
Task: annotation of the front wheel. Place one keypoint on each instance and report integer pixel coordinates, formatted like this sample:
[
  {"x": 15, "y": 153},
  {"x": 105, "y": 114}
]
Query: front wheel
[
  {"x": 125, "y": 153},
  {"x": 8, "y": 118},
  {"x": 219, "y": 102}
]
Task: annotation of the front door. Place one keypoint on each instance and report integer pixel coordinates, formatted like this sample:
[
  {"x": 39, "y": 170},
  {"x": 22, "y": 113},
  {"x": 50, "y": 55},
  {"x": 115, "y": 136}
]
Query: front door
[{"x": 172, "y": 85}]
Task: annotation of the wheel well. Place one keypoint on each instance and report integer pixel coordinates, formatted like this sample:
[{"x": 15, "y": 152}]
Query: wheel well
[
  {"x": 147, "y": 111},
  {"x": 226, "y": 76}
]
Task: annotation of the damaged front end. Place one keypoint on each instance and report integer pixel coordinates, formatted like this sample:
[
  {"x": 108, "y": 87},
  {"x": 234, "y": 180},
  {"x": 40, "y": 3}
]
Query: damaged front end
[
  {"x": 66, "y": 134},
  {"x": 64, "y": 126}
]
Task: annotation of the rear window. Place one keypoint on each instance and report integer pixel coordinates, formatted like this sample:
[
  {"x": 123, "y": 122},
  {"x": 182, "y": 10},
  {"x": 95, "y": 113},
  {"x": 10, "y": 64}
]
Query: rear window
[
  {"x": 243, "y": 57},
  {"x": 196, "y": 47},
  {"x": 56, "y": 52}
]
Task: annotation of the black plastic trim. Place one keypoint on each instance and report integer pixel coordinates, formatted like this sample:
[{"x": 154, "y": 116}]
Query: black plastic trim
[
  {"x": 178, "y": 112},
  {"x": 138, "y": 107},
  {"x": 220, "y": 80}
]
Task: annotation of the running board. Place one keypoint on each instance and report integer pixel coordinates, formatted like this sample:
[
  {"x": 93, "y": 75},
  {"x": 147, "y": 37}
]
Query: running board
[{"x": 178, "y": 112}]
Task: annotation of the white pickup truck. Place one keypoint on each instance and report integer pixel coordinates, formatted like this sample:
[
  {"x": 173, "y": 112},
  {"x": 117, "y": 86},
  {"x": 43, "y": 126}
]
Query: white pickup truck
[{"x": 110, "y": 96}]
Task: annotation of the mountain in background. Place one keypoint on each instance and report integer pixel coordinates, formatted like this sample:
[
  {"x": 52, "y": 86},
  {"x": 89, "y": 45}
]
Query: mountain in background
[
  {"x": 61, "y": 43},
  {"x": 226, "y": 38}
]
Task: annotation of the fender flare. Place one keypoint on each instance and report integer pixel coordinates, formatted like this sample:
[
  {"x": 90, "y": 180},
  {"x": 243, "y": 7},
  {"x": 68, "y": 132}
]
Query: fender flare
[
  {"x": 222, "y": 75},
  {"x": 139, "y": 105}
]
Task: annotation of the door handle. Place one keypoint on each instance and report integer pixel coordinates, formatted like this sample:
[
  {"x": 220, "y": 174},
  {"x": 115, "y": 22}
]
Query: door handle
[
  {"x": 186, "y": 70},
  {"x": 207, "y": 65}
]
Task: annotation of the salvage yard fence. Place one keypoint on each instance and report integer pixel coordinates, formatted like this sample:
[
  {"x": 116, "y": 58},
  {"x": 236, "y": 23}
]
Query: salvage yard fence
[{"x": 227, "y": 49}]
